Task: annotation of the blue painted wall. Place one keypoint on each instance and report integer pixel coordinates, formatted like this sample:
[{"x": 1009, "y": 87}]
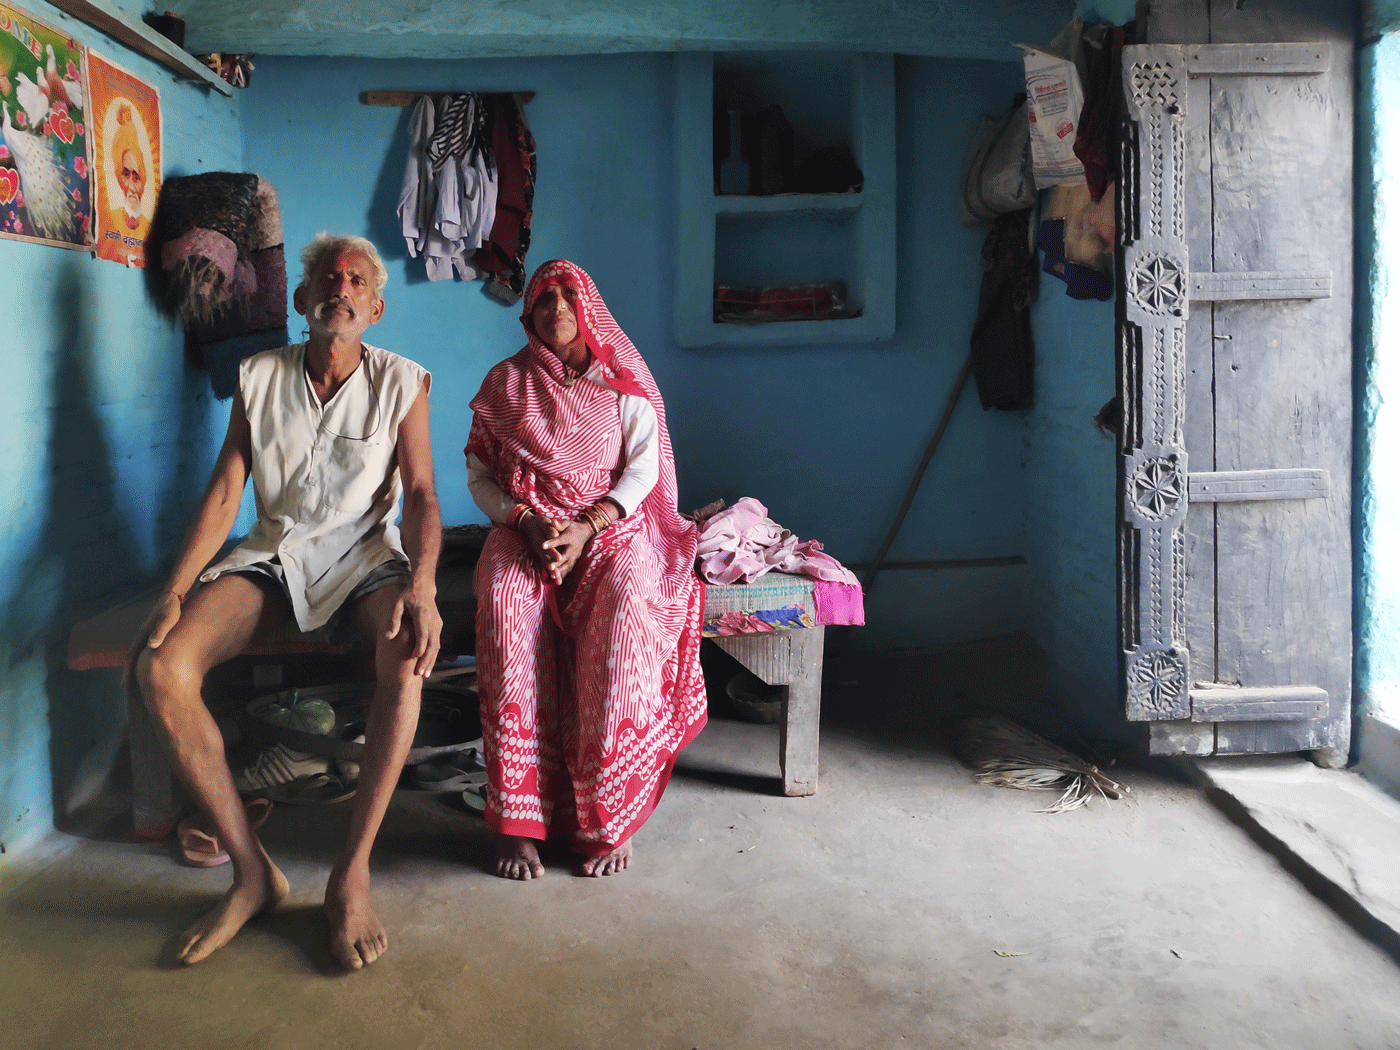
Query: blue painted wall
[
  {"x": 826, "y": 436},
  {"x": 107, "y": 441},
  {"x": 1069, "y": 481},
  {"x": 1377, "y": 538}
]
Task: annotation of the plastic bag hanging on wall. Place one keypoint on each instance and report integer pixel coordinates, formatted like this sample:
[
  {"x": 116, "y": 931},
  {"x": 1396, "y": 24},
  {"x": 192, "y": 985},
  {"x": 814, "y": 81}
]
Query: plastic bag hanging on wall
[
  {"x": 997, "y": 176},
  {"x": 1055, "y": 97}
]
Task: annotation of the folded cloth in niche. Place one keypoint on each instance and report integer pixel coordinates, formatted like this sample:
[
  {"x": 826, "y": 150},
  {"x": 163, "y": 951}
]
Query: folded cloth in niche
[{"x": 800, "y": 302}]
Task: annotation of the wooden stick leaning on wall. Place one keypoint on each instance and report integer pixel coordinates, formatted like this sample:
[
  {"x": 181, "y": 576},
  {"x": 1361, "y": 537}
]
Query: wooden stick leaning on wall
[
  {"x": 403, "y": 99},
  {"x": 953, "y": 397}
]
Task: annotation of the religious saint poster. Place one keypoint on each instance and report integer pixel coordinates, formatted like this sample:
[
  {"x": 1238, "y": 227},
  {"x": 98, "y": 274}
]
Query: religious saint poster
[
  {"x": 45, "y": 194},
  {"x": 126, "y": 160}
]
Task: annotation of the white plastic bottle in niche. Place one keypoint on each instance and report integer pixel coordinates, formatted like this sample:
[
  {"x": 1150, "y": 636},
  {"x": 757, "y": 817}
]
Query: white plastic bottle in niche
[{"x": 734, "y": 172}]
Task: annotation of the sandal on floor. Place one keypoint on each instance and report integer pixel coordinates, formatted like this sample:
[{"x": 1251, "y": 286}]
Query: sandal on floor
[
  {"x": 474, "y": 798},
  {"x": 322, "y": 789},
  {"x": 200, "y": 849},
  {"x": 454, "y": 773}
]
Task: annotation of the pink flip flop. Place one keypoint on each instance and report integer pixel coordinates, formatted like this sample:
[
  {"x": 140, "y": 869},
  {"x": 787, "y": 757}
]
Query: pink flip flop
[{"x": 199, "y": 849}]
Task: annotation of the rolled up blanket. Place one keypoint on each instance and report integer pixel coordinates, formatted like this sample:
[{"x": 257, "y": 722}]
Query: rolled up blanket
[{"x": 219, "y": 235}]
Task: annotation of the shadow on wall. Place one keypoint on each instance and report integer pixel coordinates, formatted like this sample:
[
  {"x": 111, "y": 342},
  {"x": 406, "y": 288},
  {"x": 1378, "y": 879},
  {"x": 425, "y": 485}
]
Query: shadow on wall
[
  {"x": 86, "y": 558},
  {"x": 382, "y": 222}
]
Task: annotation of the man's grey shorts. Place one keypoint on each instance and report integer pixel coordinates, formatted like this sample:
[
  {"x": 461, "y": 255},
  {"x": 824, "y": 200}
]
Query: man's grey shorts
[{"x": 393, "y": 572}]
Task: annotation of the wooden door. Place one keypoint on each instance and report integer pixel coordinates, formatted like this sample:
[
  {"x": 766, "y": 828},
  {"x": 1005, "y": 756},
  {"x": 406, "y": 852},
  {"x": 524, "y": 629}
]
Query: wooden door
[{"x": 1234, "y": 354}]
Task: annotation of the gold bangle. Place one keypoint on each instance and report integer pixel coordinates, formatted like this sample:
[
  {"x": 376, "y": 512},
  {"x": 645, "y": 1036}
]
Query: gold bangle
[{"x": 596, "y": 518}]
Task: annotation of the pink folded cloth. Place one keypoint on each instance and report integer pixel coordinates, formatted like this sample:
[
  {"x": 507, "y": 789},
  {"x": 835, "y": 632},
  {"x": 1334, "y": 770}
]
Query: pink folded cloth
[
  {"x": 738, "y": 544},
  {"x": 732, "y": 623},
  {"x": 839, "y": 603},
  {"x": 732, "y": 542}
]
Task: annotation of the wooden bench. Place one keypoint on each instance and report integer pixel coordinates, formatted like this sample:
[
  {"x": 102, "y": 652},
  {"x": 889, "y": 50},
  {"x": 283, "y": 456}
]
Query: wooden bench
[{"x": 788, "y": 658}]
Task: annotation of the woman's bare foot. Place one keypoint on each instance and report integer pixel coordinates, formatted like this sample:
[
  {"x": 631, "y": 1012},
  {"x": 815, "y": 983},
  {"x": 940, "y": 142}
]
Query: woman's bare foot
[
  {"x": 357, "y": 937},
  {"x": 262, "y": 890},
  {"x": 609, "y": 863},
  {"x": 517, "y": 858}
]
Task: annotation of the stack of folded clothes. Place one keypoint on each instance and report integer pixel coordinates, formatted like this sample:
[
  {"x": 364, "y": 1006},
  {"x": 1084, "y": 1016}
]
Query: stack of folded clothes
[{"x": 739, "y": 544}]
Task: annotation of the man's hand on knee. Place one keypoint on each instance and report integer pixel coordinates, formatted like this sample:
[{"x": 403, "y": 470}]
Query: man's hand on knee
[
  {"x": 164, "y": 615},
  {"x": 417, "y": 611}
]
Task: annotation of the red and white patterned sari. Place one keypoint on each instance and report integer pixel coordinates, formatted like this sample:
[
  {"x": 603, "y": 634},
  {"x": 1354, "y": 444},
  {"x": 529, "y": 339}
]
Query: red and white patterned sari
[{"x": 589, "y": 688}]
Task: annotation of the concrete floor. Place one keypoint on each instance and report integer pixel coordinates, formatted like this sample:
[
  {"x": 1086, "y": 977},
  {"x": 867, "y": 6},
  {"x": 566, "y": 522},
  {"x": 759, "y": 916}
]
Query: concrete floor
[{"x": 868, "y": 916}]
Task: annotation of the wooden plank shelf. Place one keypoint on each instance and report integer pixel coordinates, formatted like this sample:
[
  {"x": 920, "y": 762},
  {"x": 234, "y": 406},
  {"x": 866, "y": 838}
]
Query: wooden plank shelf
[
  {"x": 786, "y": 239},
  {"x": 790, "y": 203},
  {"x": 141, "y": 38},
  {"x": 410, "y": 98}
]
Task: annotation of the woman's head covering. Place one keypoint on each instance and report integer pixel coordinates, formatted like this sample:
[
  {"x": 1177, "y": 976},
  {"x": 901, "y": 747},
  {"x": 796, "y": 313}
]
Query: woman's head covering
[
  {"x": 535, "y": 372},
  {"x": 600, "y": 332}
]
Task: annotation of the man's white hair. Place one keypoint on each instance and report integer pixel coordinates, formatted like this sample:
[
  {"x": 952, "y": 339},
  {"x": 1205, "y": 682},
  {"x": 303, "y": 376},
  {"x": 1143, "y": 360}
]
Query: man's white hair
[{"x": 324, "y": 242}]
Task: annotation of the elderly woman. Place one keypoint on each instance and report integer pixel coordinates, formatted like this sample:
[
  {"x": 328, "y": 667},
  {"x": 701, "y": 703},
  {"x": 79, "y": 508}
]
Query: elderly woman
[{"x": 588, "y": 607}]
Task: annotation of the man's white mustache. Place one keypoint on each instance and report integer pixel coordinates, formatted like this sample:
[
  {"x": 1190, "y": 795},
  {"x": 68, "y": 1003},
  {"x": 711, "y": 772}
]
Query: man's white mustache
[{"x": 320, "y": 308}]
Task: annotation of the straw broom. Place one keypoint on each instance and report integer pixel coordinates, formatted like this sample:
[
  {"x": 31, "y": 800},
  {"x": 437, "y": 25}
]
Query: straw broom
[{"x": 1006, "y": 754}]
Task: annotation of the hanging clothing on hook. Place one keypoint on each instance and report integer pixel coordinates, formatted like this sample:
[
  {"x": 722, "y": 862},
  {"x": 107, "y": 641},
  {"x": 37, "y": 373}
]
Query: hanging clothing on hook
[
  {"x": 503, "y": 254},
  {"x": 447, "y": 203}
]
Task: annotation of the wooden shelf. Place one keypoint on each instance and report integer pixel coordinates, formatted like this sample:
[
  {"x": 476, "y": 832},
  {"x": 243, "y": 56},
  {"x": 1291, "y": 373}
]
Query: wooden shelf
[
  {"x": 794, "y": 203},
  {"x": 786, "y": 239},
  {"x": 403, "y": 99},
  {"x": 127, "y": 29}
]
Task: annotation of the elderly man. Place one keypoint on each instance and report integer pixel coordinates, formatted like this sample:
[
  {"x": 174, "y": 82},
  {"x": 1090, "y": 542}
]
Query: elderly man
[
  {"x": 330, "y": 431},
  {"x": 129, "y": 166}
]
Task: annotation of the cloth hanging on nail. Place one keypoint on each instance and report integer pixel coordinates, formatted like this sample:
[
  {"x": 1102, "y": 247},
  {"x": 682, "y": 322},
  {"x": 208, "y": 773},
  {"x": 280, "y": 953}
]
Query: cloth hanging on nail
[
  {"x": 503, "y": 256},
  {"x": 448, "y": 198},
  {"x": 1003, "y": 353}
]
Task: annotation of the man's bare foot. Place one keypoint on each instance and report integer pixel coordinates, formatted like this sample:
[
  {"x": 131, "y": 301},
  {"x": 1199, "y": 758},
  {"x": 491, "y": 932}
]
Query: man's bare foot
[
  {"x": 517, "y": 858},
  {"x": 262, "y": 891},
  {"x": 609, "y": 863},
  {"x": 357, "y": 937}
]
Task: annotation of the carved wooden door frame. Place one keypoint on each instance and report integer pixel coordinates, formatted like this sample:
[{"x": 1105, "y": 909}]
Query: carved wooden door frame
[{"x": 1156, "y": 485}]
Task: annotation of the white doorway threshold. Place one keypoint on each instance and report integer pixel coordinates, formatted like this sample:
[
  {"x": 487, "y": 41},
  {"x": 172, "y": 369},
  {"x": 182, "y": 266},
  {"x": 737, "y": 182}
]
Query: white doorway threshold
[{"x": 1334, "y": 825}]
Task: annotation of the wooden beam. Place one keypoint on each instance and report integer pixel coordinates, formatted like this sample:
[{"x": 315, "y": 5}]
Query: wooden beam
[
  {"x": 410, "y": 98},
  {"x": 1207, "y": 60},
  {"x": 141, "y": 38},
  {"x": 1295, "y": 703},
  {"x": 1239, "y": 486},
  {"x": 1241, "y": 287},
  {"x": 944, "y": 563}
]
